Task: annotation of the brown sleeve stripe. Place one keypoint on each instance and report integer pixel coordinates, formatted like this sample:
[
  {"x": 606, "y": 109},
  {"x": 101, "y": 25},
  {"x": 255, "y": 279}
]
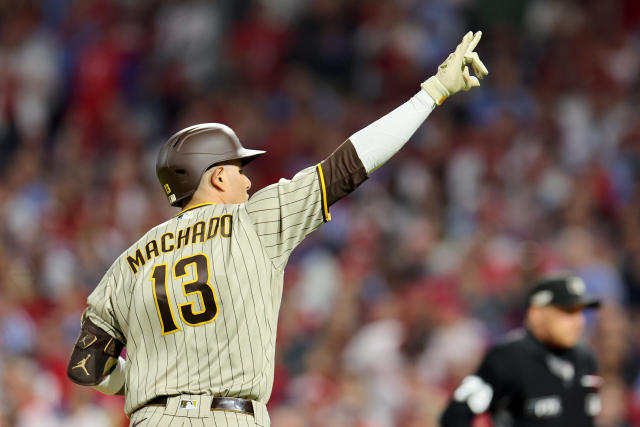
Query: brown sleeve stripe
[
  {"x": 326, "y": 215},
  {"x": 343, "y": 172}
]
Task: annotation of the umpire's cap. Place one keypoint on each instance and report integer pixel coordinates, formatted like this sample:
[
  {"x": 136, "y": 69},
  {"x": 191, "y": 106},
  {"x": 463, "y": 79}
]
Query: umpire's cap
[
  {"x": 190, "y": 152},
  {"x": 561, "y": 291}
]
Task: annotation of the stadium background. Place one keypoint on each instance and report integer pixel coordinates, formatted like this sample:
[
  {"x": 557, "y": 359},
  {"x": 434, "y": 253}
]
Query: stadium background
[{"x": 386, "y": 308}]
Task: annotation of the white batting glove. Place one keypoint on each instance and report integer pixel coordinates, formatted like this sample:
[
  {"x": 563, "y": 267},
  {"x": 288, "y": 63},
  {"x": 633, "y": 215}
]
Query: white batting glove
[{"x": 453, "y": 74}]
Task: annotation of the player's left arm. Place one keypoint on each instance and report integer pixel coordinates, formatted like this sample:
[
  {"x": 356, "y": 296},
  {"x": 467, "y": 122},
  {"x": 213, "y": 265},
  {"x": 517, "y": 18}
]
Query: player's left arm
[
  {"x": 95, "y": 357},
  {"x": 371, "y": 147},
  {"x": 95, "y": 360}
]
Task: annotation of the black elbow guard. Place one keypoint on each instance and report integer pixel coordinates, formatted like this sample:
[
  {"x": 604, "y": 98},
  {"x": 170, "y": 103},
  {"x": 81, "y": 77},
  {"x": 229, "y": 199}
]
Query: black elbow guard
[{"x": 94, "y": 355}]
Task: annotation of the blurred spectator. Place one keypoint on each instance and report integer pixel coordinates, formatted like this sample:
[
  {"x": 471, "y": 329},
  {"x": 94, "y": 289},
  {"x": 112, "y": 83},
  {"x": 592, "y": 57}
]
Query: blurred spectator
[{"x": 31, "y": 394}]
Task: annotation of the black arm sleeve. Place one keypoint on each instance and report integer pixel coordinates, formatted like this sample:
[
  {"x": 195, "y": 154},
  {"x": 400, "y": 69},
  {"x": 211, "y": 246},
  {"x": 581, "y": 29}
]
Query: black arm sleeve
[{"x": 94, "y": 355}]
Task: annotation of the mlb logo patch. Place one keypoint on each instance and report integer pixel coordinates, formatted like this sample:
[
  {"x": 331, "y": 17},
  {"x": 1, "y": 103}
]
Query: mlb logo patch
[{"x": 188, "y": 404}]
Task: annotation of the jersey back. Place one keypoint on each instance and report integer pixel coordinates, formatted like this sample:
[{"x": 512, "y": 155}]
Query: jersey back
[{"x": 196, "y": 299}]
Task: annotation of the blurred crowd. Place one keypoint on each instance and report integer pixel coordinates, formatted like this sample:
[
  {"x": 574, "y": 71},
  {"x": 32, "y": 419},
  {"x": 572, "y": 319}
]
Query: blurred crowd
[{"x": 387, "y": 307}]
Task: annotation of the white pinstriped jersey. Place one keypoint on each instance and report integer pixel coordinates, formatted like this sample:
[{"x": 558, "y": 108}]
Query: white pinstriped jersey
[{"x": 196, "y": 299}]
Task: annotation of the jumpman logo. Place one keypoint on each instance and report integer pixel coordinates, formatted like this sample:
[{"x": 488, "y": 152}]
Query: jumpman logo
[
  {"x": 83, "y": 341},
  {"x": 81, "y": 364}
]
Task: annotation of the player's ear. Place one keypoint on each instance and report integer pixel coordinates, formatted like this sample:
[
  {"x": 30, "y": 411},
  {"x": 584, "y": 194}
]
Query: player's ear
[{"x": 218, "y": 178}]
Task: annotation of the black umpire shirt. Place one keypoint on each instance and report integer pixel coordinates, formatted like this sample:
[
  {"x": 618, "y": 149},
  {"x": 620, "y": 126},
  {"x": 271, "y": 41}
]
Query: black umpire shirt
[{"x": 523, "y": 383}]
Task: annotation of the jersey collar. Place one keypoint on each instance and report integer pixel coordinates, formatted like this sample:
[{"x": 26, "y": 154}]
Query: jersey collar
[{"x": 193, "y": 207}]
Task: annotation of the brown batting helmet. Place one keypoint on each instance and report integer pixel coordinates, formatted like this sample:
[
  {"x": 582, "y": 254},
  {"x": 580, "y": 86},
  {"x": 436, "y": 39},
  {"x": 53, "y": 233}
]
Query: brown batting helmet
[{"x": 190, "y": 152}]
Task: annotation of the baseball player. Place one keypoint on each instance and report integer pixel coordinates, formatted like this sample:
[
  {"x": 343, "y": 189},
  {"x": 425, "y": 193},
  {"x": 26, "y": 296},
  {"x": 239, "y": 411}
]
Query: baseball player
[
  {"x": 196, "y": 299},
  {"x": 539, "y": 376}
]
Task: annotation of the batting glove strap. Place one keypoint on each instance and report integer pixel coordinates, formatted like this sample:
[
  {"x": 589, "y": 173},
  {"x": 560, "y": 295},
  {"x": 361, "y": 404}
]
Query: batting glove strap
[{"x": 435, "y": 89}]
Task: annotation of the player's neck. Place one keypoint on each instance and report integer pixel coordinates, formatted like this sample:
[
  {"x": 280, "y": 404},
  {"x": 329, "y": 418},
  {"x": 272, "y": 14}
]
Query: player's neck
[{"x": 200, "y": 198}]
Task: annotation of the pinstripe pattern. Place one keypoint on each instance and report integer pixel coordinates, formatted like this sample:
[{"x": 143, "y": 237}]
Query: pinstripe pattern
[{"x": 233, "y": 354}]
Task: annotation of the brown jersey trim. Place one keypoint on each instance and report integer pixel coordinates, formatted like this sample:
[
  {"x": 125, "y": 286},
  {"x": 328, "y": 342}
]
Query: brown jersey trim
[{"x": 343, "y": 172}]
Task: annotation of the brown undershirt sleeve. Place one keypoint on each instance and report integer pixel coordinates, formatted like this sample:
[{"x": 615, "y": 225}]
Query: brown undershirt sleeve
[{"x": 342, "y": 172}]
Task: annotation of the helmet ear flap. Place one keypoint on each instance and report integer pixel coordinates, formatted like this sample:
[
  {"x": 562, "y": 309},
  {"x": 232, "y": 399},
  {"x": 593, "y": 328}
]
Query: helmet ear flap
[{"x": 191, "y": 152}]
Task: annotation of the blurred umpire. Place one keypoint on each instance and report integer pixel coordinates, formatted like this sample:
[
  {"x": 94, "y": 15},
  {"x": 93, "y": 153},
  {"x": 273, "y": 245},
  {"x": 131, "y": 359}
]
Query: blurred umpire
[{"x": 539, "y": 376}]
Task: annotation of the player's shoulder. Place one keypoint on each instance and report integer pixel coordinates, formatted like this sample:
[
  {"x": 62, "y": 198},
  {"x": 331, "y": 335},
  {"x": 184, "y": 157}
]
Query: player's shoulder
[
  {"x": 197, "y": 212},
  {"x": 136, "y": 245},
  {"x": 204, "y": 212},
  {"x": 185, "y": 219},
  {"x": 271, "y": 194},
  {"x": 310, "y": 171},
  {"x": 154, "y": 231}
]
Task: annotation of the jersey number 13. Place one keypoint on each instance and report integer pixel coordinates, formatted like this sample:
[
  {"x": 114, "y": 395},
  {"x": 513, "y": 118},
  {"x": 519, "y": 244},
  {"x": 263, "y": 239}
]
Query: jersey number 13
[{"x": 200, "y": 286}]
